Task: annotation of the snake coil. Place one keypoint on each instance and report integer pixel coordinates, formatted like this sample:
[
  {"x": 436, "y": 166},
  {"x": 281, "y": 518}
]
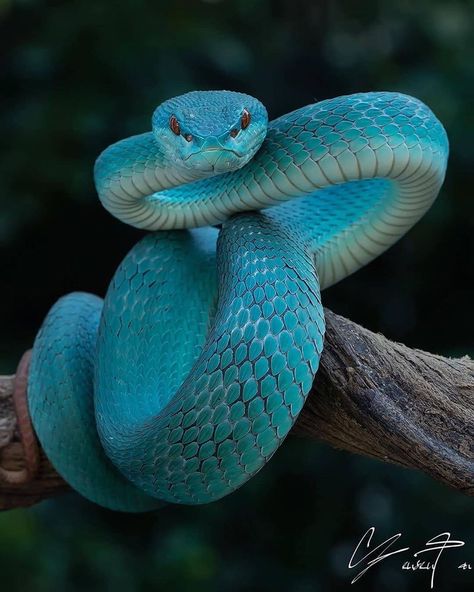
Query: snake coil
[{"x": 183, "y": 382}]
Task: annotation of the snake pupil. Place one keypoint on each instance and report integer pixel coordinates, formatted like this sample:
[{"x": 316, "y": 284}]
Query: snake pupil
[
  {"x": 245, "y": 120},
  {"x": 174, "y": 125}
]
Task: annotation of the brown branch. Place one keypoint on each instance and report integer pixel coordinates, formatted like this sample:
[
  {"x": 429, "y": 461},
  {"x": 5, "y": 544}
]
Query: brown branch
[
  {"x": 371, "y": 396},
  {"x": 382, "y": 399}
]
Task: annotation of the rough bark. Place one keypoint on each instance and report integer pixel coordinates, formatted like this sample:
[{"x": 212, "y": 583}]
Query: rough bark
[{"x": 371, "y": 397}]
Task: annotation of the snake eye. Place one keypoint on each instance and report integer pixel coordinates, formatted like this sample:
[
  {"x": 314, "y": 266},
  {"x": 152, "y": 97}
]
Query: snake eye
[
  {"x": 188, "y": 137},
  {"x": 233, "y": 133},
  {"x": 245, "y": 119},
  {"x": 174, "y": 125}
]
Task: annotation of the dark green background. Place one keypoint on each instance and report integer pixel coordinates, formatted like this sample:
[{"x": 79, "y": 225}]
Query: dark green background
[{"x": 77, "y": 76}]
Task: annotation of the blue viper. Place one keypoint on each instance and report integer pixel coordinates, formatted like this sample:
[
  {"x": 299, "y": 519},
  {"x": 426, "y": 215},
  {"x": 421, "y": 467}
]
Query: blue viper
[{"x": 184, "y": 381}]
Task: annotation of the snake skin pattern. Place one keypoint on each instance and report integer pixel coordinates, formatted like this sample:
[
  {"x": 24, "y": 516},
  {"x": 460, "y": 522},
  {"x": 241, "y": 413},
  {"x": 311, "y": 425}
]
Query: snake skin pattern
[{"x": 183, "y": 382}]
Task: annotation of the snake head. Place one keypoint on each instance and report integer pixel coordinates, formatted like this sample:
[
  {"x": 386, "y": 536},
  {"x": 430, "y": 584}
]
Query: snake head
[{"x": 210, "y": 132}]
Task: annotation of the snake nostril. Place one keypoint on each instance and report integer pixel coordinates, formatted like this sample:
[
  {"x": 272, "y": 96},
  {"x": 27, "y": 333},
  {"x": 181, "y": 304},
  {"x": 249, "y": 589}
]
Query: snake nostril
[
  {"x": 188, "y": 137},
  {"x": 233, "y": 133}
]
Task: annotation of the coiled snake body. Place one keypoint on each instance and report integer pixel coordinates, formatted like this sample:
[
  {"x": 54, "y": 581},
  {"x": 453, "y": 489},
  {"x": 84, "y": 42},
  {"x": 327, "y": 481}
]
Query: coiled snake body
[{"x": 183, "y": 382}]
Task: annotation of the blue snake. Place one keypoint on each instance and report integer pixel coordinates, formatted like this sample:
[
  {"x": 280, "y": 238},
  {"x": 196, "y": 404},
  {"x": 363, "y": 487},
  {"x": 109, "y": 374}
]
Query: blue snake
[{"x": 183, "y": 382}]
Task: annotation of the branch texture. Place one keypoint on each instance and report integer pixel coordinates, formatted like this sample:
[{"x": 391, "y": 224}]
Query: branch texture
[{"x": 371, "y": 396}]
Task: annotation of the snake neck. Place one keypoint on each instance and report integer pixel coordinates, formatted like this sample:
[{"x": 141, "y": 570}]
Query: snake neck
[{"x": 138, "y": 183}]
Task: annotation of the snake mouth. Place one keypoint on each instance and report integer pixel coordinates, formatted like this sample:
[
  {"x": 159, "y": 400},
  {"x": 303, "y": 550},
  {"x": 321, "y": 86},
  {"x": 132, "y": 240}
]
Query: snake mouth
[
  {"x": 215, "y": 149},
  {"x": 215, "y": 159}
]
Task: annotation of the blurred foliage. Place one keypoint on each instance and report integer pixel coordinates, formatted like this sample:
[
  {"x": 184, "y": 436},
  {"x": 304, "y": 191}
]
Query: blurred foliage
[{"x": 77, "y": 76}]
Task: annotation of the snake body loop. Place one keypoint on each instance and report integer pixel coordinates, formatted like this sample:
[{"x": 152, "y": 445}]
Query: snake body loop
[{"x": 182, "y": 383}]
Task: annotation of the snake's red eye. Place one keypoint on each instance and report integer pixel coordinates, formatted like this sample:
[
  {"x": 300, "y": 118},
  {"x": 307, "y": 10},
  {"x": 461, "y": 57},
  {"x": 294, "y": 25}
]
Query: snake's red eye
[
  {"x": 245, "y": 119},
  {"x": 174, "y": 125}
]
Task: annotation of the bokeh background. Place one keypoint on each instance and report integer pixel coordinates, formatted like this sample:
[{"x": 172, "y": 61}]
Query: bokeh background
[{"x": 76, "y": 76}]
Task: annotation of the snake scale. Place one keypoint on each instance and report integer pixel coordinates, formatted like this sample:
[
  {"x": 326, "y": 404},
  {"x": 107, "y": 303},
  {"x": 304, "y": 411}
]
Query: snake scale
[{"x": 182, "y": 383}]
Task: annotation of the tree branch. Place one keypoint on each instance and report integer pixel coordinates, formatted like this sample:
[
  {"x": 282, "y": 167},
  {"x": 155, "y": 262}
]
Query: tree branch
[
  {"x": 382, "y": 399},
  {"x": 371, "y": 397}
]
